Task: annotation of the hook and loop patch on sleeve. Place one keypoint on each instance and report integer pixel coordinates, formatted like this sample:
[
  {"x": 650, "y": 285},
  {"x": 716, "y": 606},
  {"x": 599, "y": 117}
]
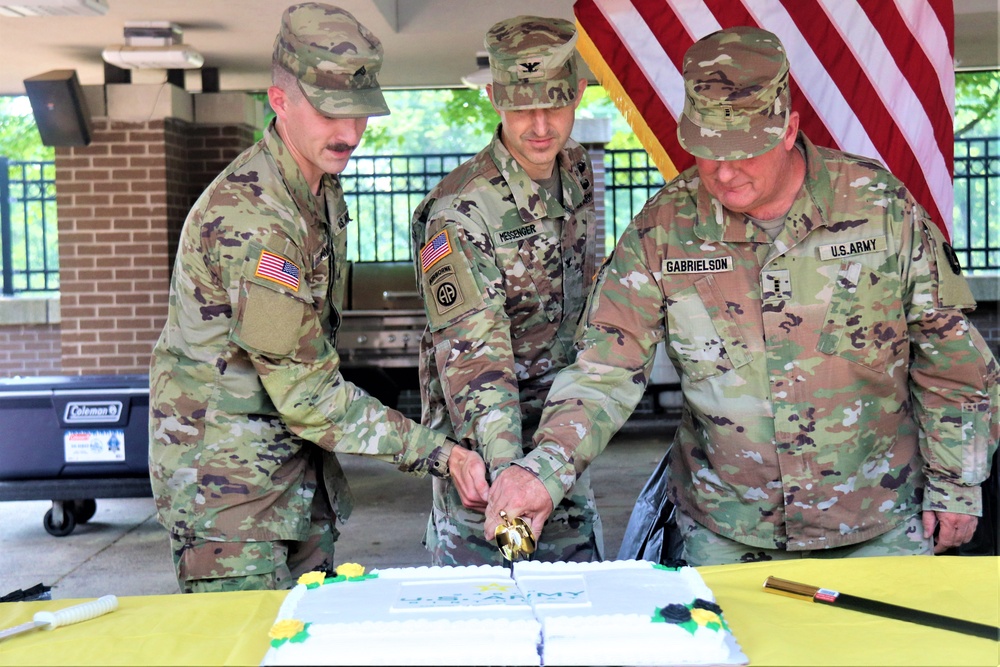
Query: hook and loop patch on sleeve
[
  {"x": 449, "y": 284},
  {"x": 271, "y": 314}
]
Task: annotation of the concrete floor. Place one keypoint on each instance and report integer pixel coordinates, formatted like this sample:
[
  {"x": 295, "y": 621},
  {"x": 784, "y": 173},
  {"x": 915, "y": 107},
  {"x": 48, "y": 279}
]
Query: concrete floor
[{"x": 122, "y": 550}]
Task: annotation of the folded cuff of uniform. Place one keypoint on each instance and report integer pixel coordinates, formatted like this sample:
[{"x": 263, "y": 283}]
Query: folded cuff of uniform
[
  {"x": 552, "y": 469},
  {"x": 946, "y": 496}
]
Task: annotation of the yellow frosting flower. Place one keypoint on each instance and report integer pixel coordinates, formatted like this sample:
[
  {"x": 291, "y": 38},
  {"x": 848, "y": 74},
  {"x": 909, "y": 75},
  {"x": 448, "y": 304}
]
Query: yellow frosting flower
[
  {"x": 704, "y": 617},
  {"x": 350, "y": 570},
  {"x": 312, "y": 578},
  {"x": 286, "y": 629}
]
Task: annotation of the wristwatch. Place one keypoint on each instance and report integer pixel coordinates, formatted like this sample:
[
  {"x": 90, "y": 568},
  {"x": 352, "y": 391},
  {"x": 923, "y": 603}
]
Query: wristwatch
[{"x": 439, "y": 459}]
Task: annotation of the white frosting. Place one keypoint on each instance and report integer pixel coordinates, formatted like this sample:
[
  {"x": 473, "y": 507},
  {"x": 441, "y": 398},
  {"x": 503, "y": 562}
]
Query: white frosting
[
  {"x": 616, "y": 626},
  {"x": 579, "y": 613},
  {"x": 413, "y": 616}
]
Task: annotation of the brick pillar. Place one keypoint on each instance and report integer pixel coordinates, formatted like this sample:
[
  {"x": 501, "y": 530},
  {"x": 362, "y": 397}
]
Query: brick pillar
[
  {"x": 121, "y": 203},
  {"x": 112, "y": 246}
]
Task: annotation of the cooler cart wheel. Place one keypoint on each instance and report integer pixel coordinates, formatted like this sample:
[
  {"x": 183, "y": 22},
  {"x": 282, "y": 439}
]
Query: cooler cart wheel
[
  {"x": 84, "y": 510},
  {"x": 52, "y": 523}
]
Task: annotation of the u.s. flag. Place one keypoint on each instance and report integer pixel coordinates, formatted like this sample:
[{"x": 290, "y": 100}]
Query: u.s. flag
[
  {"x": 871, "y": 77},
  {"x": 434, "y": 250},
  {"x": 278, "y": 269}
]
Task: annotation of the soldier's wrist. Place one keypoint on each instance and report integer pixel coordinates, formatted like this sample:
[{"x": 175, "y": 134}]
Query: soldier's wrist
[
  {"x": 439, "y": 459},
  {"x": 497, "y": 466}
]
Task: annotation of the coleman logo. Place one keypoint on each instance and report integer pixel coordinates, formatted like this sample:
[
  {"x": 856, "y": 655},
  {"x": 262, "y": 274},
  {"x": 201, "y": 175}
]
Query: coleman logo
[
  {"x": 837, "y": 250},
  {"x": 92, "y": 412},
  {"x": 509, "y": 236},
  {"x": 701, "y": 265}
]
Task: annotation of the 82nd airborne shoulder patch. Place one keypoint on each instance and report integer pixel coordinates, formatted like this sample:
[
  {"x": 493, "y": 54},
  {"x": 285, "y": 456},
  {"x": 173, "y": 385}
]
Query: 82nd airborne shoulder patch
[{"x": 444, "y": 289}]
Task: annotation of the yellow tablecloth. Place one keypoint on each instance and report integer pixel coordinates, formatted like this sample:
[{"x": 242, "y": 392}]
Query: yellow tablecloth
[{"x": 231, "y": 628}]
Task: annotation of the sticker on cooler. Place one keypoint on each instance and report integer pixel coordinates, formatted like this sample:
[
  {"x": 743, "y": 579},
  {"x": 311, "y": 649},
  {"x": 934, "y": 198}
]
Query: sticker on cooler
[{"x": 94, "y": 446}]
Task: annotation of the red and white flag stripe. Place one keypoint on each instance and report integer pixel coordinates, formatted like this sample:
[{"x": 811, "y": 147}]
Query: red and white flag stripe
[{"x": 872, "y": 77}]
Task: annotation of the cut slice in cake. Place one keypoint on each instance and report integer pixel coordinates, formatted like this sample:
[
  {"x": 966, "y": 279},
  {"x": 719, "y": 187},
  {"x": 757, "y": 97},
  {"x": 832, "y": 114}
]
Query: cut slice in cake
[{"x": 626, "y": 613}]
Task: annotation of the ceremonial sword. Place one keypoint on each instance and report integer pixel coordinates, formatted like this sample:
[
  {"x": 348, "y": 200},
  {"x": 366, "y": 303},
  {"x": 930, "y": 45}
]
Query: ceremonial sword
[{"x": 825, "y": 596}]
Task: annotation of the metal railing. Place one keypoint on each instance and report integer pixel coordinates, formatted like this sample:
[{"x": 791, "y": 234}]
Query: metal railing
[
  {"x": 29, "y": 253},
  {"x": 976, "y": 229},
  {"x": 381, "y": 194},
  {"x": 383, "y": 191},
  {"x": 630, "y": 178}
]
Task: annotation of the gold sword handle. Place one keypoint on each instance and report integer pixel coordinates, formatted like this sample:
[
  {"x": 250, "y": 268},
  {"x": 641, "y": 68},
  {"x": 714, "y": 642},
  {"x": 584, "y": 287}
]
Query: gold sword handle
[{"x": 792, "y": 589}]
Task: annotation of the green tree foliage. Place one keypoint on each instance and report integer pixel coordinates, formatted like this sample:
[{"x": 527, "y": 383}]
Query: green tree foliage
[
  {"x": 431, "y": 121},
  {"x": 597, "y": 103},
  {"x": 19, "y": 138},
  {"x": 462, "y": 120},
  {"x": 977, "y": 98}
]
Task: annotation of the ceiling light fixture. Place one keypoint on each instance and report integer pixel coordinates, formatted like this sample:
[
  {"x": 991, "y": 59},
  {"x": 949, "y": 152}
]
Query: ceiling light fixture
[
  {"x": 54, "y": 8},
  {"x": 481, "y": 76},
  {"x": 152, "y": 45}
]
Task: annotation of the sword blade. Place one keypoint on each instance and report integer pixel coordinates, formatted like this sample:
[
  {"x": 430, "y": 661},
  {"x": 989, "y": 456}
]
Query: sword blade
[{"x": 18, "y": 629}]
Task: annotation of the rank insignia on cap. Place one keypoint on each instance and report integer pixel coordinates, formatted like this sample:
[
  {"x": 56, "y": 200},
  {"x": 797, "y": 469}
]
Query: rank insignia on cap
[
  {"x": 435, "y": 250},
  {"x": 530, "y": 69},
  {"x": 277, "y": 269}
]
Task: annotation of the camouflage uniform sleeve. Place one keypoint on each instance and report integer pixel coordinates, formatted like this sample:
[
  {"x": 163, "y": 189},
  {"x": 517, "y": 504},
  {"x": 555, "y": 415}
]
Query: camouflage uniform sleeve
[
  {"x": 594, "y": 396},
  {"x": 953, "y": 375},
  {"x": 279, "y": 327},
  {"x": 464, "y": 299}
]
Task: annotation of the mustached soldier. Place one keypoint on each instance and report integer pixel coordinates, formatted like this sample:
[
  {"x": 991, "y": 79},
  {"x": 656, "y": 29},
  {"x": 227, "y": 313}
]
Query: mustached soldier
[
  {"x": 247, "y": 405},
  {"x": 504, "y": 249}
]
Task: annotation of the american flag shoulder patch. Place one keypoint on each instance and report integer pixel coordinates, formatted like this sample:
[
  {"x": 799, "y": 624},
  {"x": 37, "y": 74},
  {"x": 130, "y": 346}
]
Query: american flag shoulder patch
[
  {"x": 277, "y": 269},
  {"x": 435, "y": 250}
]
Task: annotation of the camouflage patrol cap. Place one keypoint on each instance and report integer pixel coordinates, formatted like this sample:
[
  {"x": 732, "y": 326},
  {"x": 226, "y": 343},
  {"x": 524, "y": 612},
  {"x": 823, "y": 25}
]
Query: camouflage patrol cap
[
  {"x": 736, "y": 102},
  {"x": 532, "y": 61},
  {"x": 335, "y": 59}
]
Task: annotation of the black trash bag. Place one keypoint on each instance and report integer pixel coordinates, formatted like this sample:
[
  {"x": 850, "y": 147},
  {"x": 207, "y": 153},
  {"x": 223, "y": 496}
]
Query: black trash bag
[
  {"x": 36, "y": 592},
  {"x": 650, "y": 533}
]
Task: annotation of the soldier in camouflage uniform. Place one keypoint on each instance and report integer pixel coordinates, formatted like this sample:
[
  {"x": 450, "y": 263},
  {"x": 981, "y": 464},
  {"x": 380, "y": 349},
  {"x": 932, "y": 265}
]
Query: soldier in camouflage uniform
[
  {"x": 247, "y": 405},
  {"x": 837, "y": 400},
  {"x": 504, "y": 249}
]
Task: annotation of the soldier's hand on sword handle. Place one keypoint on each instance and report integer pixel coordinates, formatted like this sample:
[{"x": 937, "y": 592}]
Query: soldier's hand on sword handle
[{"x": 519, "y": 493}]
